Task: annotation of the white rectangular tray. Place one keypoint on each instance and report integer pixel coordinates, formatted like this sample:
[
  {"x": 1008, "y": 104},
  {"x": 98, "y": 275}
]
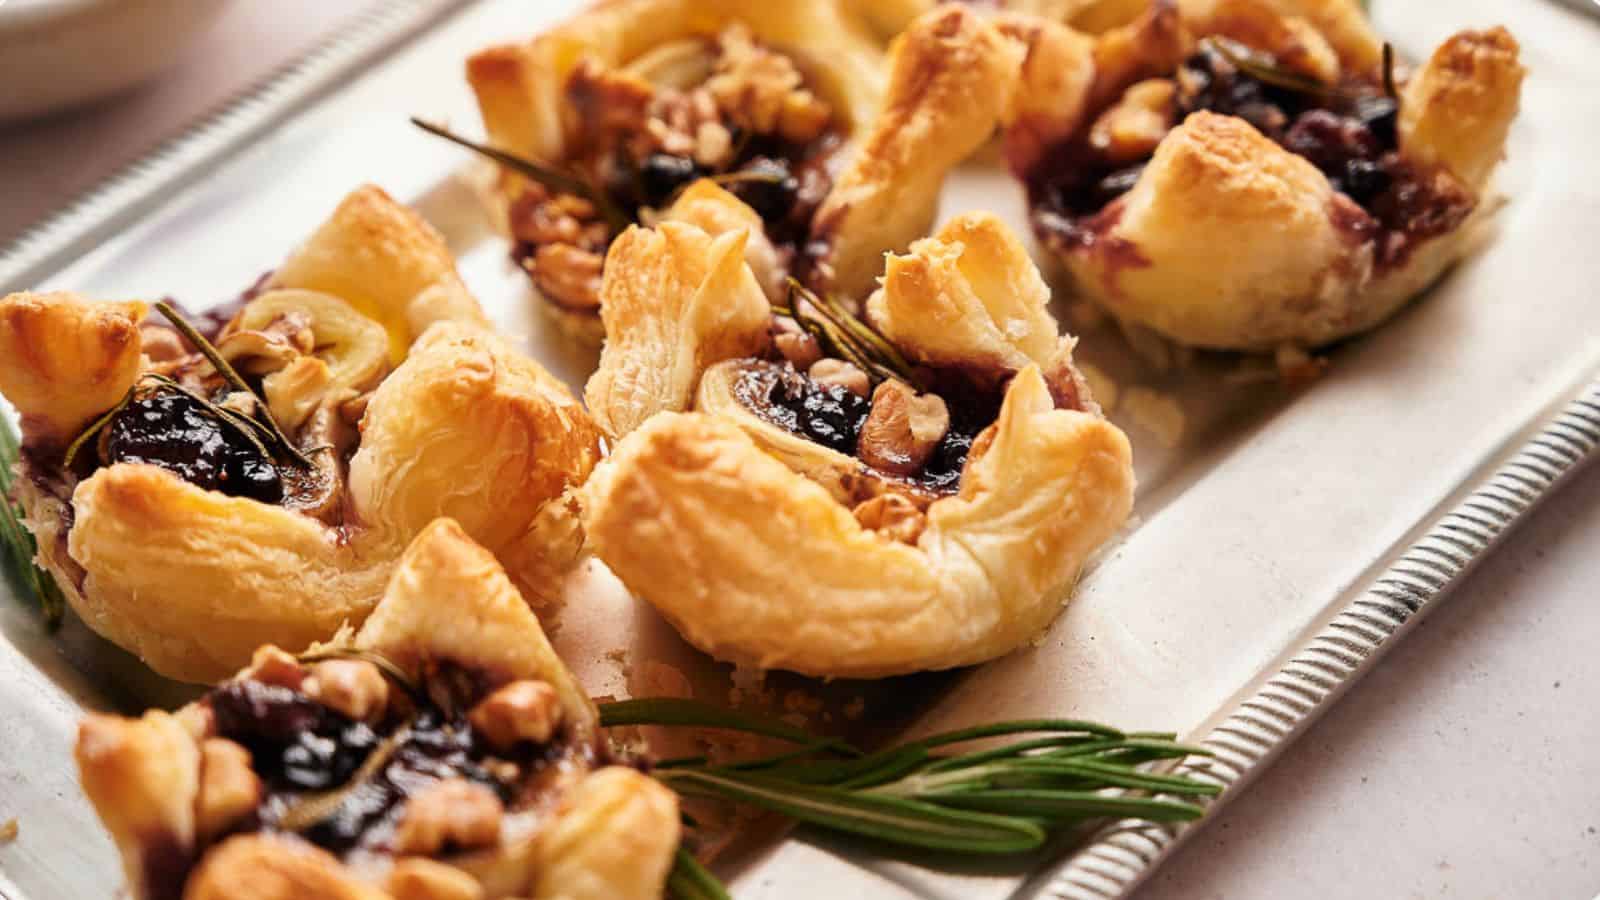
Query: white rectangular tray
[{"x": 1277, "y": 551}]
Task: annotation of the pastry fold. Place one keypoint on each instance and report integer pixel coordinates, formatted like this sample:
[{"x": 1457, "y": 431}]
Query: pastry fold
[
  {"x": 902, "y": 116},
  {"x": 1244, "y": 230},
  {"x": 769, "y": 549},
  {"x": 369, "y": 351},
  {"x": 193, "y": 815}
]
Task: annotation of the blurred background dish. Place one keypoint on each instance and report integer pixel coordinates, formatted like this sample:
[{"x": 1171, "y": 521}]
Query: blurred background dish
[{"x": 60, "y": 53}]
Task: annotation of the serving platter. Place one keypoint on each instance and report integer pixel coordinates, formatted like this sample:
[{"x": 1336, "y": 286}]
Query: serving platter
[{"x": 1284, "y": 537}]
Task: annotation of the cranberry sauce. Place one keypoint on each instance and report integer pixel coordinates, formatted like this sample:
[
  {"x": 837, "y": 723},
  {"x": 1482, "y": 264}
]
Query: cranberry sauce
[
  {"x": 179, "y": 434},
  {"x": 783, "y": 182},
  {"x": 833, "y": 417},
  {"x": 1347, "y": 131},
  {"x": 826, "y": 414},
  {"x": 300, "y": 748}
]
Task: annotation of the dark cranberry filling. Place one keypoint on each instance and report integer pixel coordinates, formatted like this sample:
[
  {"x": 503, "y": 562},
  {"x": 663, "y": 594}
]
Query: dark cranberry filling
[
  {"x": 824, "y": 413},
  {"x": 833, "y": 417},
  {"x": 1348, "y": 132},
  {"x": 300, "y": 748},
  {"x": 179, "y": 434},
  {"x": 783, "y": 182}
]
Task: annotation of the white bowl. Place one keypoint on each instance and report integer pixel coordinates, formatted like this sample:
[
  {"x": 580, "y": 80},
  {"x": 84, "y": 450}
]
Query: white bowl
[{"x": 59, "y": 53}]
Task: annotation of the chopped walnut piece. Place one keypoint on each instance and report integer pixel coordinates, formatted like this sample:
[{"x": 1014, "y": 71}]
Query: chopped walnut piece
[
  {"x": 1130, "y": 130},
  {"x": 796, "y": 345},
  {"x": 452, "y": 813},
  {"x": 539, "y": 219},
  {"x": 903, "y": 428},
  {"x": 567, "y": 275},
  {"x": 229, "y": 788},
  {"x": 161, "y": 344},
  {"x": 758, "y": 88},
  {"x": 520, "y": 711},
  {"x": 270, "y": 665},
  {"x": 350, "y": 686},
  {"x": 297, "y": 390},
  {"x": 609, "y": 104},
  {"x": 353, "y": 410},
  {"x": 804, "y": 118},
  {"x": 841, "y": 374},
  {"x": 416, "y": 878},
  {"x": 713, "y": 144},
  {"x": 892, "y": 516}
]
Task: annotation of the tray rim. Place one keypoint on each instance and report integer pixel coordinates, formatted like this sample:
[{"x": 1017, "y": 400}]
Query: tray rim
[
  {"x": 1323, "y": 664},
  {"x": 1252, "y": 730}
]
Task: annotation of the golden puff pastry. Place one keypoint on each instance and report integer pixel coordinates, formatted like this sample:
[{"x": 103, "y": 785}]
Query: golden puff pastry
[
  {"x": 185, "y": 530},
  {"x": 836, "y": 520},
  {"x": 837, "y": 145},
  {"x": 440, "y": 752},
  {"x": 1246, "y": 175}
]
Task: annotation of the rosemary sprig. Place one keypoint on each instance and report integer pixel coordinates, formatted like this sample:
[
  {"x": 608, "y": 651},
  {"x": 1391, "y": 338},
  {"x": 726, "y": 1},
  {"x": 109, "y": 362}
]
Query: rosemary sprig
[
  {"x": 199, "y": 342},
  {"x": 1249, "y": 62},
  {"x": 94, "y": 429},
  {"x": 247, "y": 427},
  {"x": 1388, "y": 72},
  {"x": 19, "y": 543},
  {"x": 1266, "y": 70},
  {"x": 844, "y": 334},
  {"x": 689, "y": 880},
  {"x": 390, "y": 669},
  {"x": 926, "y": 794},
  {"x": 551, "y": 178}
]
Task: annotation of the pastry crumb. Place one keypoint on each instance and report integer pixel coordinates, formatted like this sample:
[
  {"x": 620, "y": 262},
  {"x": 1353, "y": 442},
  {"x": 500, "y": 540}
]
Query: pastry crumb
[
  {"x": 1101, "y": 386},
  {"x": 1296, "y": 365},
  {"x": 657, "y": 679},
  {"x": 1158, "y": 413},
  {"x": 9, "y": 829}
]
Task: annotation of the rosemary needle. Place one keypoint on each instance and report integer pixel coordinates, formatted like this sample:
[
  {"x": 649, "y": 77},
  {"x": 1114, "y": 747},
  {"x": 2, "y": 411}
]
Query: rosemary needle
[
  {"x": 551, "y": 178},
  {"x": 20, "y": 546},
  {"x": 926, "y": 794},
  {"x": 199, "y": 342},
  {"x": 689, "y": 880}
]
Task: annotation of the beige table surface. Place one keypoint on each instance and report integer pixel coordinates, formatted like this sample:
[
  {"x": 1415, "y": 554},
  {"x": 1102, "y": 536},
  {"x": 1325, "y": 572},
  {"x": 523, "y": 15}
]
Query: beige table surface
[{"x": 1467, "y": 765}]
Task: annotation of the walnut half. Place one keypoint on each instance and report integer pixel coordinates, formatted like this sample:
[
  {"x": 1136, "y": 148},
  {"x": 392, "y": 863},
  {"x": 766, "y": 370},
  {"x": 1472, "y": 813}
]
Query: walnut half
[{"x": 903, "y": 428}]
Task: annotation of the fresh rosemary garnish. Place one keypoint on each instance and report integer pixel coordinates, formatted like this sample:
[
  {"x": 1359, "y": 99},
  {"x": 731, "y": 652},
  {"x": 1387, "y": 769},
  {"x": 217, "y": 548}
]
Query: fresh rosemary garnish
[
  {"x": 995, "y": 800},
  {"x": 1265, "y": 69},
  {"x": 1388, "y": 72},
  {"x": 19, "y": 543},
  {"x": 390, "y": 669},
  {"x": 551, "y": 178},
  {"x": 199, "y": 342},
  {"x": 689, "y": 880},
  {"x": 843, "y": 335}
]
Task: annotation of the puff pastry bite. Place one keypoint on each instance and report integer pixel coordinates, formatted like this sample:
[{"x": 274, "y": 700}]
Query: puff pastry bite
[
  {"x": 667, "y": 109},
  {"x": 189, "y": 517},
  {"x": 441, "y": 752},
  {"x": 1247, "y": 174},
  {"x": 923, "y": 503}
]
